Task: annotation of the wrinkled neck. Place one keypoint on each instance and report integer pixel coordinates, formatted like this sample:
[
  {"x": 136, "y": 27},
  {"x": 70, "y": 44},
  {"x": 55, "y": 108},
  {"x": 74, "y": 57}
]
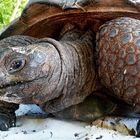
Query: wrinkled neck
[{"x": 76, "y": 78}]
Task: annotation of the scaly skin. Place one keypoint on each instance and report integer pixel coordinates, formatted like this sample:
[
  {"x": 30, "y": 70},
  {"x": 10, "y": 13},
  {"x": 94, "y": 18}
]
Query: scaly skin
[
  {"x": 60, "y": 72},
  {"x": 118, "y": 50},
  {"x": 7, "y": 115},
  {"x": 52, "y": 69}
]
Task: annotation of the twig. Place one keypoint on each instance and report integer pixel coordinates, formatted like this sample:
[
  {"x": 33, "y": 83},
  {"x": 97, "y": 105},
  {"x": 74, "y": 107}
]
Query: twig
[{"x": 15, "y": 10}]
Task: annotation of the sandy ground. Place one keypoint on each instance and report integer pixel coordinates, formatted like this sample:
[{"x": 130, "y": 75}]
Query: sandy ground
[{"x": 32, "y": 128}]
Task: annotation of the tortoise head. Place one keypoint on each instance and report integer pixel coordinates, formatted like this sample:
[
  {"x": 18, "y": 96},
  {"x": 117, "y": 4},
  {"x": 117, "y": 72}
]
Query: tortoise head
[{"x": 24, "y": 66}]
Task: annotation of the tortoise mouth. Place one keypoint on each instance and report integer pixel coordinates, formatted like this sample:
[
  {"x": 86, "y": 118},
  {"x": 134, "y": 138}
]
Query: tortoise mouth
[
  {"x": 7, "y": 93},
  {"x": 20, "y": 91},
  {"x": 19, "y": 83},
  {"x": 12, "y": 84}
]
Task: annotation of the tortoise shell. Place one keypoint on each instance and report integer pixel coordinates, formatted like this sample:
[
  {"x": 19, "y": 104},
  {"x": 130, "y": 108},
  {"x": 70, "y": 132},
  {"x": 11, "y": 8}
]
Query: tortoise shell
[{"x": 44, "y": 18}]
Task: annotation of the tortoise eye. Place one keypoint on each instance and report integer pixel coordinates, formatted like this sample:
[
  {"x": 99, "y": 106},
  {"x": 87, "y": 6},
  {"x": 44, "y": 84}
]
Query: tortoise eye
[{"x": 16, "y": 65}]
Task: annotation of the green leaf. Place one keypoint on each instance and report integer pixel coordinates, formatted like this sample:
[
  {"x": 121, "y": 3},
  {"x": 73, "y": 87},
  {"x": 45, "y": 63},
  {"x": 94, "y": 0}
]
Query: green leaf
[
  {"x": 1, "y": 19},
  {"x": 6, "y": 9}
]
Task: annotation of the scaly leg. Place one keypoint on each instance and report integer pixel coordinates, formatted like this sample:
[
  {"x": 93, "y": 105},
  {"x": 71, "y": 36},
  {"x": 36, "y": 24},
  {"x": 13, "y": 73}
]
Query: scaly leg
[
  {"x": 90, "y": 109},
  {"x": 7, "y": 115}
]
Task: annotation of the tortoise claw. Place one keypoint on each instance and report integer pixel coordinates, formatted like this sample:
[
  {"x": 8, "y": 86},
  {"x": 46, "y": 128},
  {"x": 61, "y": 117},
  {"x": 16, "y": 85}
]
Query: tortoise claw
[{"x": 7, "y": 121}]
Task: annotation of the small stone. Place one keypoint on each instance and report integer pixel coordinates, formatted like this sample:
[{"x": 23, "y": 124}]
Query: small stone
[
  {"x": 100, "y": 137},
  {"x": 87, "y": 138},
  {"x": 24, "y": 132},
  {"x": 76, "y": 135}
]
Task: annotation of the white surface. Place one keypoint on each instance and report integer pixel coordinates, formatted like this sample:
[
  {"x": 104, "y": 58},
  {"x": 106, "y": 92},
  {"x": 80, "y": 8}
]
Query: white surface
[{"x": 53, "y": 129}]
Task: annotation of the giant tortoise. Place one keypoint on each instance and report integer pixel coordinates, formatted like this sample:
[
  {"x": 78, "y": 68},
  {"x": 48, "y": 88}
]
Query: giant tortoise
[{"x": 76, "y": 59}]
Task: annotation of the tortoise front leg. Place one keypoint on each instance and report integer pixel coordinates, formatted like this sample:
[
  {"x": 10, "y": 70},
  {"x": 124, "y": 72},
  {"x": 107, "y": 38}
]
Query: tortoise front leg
[
  {"x": 7, "y": 115},
  {"x": 97, "y": 109},
  {"x": 91, "y": 108}
]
